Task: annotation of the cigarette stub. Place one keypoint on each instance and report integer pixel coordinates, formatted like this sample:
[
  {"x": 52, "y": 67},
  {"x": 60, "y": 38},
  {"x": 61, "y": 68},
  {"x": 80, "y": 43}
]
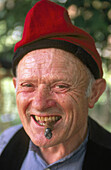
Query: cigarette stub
[
  {"x": 49, "y": 125},
  {"x": 48, "y": 130}
]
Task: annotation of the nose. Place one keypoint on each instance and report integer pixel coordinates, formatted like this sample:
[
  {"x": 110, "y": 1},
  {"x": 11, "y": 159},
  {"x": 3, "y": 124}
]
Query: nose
[{"x": 42, "y": 99}]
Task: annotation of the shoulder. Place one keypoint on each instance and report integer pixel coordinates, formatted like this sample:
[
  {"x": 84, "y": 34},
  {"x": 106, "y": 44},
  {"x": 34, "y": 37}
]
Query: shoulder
[
  {"x": 98, "y": 134},
  {"x": 7, "y": 135},
  {"x": 98, "y": 153}
]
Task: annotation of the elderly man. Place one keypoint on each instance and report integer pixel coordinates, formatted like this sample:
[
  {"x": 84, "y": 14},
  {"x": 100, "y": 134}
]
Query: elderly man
[{"x": 57, "y": 76}]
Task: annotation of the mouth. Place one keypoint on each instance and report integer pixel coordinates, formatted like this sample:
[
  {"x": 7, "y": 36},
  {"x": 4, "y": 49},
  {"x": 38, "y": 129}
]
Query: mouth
[{"x": 43, "y": 120}]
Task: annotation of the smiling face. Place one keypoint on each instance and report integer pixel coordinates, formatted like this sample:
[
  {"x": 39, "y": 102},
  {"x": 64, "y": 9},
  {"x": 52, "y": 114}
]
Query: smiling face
[{"x": 51, "y": 86}]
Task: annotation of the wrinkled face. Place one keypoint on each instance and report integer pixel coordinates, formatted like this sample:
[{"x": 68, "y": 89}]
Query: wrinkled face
[{"x": 51, "y": 85}]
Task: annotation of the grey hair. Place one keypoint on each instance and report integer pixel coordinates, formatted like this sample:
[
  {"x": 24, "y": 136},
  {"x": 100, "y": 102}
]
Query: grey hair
[{"x": 91, "y": 82}]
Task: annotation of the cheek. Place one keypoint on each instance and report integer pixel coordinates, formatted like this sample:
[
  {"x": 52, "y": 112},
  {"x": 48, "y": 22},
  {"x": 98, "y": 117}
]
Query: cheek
[
  {"x": 67, "y": 104},
  {"x": 74, "y": 105},
  {"x": 67, "y": 101},
  {"x": 22, "y": 102},
  {"x": 76, "y": 111}
]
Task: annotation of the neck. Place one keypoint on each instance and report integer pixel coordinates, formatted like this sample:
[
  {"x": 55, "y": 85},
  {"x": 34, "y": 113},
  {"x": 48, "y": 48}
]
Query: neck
[{"x": 57, "y": 152}]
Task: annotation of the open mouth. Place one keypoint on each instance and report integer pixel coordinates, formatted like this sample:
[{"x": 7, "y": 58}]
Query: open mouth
[{"x": 42, "y": 120}]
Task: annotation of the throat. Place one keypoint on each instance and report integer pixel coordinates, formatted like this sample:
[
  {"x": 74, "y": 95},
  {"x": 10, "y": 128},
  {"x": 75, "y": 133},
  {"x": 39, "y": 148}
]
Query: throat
[{"x": 54, "y": 153}]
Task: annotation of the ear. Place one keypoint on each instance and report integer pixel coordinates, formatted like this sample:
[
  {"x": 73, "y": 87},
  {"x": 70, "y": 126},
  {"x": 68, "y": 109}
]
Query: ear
[
  {"x": 98, "y": 88},
  {"x": 15, "y": 82}
]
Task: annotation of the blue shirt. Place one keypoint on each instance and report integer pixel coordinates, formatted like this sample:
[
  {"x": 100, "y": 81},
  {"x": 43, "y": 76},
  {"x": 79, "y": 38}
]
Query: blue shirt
[{"x": 34, "y": 160}]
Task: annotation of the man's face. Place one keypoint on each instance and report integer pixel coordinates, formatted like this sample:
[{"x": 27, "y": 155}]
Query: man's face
[{"x": 51, "y": 85}]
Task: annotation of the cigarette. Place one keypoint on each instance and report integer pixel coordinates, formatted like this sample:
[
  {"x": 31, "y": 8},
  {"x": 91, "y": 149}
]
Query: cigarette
[{"x": 48, "y": 130}]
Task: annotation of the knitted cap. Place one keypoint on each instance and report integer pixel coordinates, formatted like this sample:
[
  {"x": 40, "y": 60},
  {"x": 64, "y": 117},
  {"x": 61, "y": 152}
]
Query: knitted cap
[{"x": 47, "y": 25}]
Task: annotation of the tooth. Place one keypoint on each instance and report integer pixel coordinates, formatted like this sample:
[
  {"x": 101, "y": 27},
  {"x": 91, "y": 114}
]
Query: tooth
[
  {"x": 46, "y": 119},
  {"x": 57, "y": 118},
  {"x": 39, "y": 118},
  {"x": 50, "y": 118},
  {"x": 42, "y": 119},
  {"x": 36, "y": 117},
  {"x": 53, "y": 118},
  {"x": 43, "y": 124}
]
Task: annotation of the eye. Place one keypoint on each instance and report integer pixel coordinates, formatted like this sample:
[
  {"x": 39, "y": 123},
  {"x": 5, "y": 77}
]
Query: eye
[
  {"x": 61, "y": 88},
  {"x": 26, "y": 85}
]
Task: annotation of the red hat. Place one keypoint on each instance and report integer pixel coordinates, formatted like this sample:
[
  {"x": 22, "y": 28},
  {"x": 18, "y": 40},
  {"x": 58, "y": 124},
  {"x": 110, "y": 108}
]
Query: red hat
[{"x": 48, "y": 25}]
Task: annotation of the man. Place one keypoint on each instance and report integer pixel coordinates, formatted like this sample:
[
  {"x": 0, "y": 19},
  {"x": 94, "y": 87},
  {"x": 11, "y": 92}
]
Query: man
[{"x": 57, "y": 76}]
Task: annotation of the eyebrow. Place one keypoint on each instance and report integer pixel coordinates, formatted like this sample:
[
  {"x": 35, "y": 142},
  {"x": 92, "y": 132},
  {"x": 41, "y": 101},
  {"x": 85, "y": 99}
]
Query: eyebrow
[{"x": 44, "y": 80}]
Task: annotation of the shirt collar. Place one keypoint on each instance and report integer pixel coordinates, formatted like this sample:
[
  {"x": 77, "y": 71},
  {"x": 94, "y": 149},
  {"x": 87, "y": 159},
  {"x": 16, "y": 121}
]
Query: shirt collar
[{"x": 76, "y": 153}]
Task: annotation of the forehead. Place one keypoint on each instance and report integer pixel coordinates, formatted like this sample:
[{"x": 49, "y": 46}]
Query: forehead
[{"x": 49, "y": 61}]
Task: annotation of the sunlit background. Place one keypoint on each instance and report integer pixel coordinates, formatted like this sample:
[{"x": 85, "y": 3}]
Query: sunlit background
[{"x": 93, "y": 16}]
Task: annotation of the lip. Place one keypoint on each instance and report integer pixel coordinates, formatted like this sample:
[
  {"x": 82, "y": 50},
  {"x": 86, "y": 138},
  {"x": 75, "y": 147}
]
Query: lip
[{"x": 43, "y": 126}]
